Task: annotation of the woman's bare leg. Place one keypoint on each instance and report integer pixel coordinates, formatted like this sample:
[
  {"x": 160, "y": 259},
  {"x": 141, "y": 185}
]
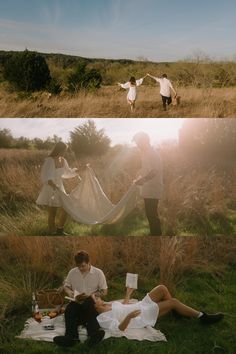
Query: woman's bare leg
[
  {"x": 160, "y": 293},
  {"x": 62, "y": 218},
  {"x": 174, "y": 304},
  {"x": 132, "y": 104},
  {"x": 52, "y": 212}
]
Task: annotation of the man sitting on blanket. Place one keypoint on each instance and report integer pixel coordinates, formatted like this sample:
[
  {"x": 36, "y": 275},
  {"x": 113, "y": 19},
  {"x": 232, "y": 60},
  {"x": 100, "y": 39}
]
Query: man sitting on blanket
[{"x": 83, "y": 280}]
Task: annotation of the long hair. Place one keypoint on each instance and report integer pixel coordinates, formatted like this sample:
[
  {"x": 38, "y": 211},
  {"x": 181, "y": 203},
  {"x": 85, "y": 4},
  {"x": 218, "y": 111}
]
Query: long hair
[
  {"x": 132, "y": 80},
  {"x": 58, "y": 149}
]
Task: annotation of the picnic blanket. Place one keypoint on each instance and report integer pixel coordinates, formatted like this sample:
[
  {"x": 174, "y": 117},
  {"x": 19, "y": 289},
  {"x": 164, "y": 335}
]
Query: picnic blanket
[
  {"x": 34, "y": 330},
  {"x": 88, "y": 204}
]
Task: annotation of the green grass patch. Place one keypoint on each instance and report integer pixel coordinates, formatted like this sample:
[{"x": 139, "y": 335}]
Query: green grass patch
[{"x": 185, "y": 336}]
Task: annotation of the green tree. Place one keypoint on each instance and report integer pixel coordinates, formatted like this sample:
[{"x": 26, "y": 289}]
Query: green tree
[
  {"x": 87, "y": 140},
  {"x": 27, "y": 71},
  {"x": 6, "y": 139},
  {"x": 209, "y": 138},
  {"x": 82, "y": 78}
]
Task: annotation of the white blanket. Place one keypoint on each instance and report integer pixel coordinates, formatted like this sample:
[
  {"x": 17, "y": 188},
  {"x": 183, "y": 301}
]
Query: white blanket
[
  {"x": 88, "y": 204},
  {"x": 34, "y": 330}
]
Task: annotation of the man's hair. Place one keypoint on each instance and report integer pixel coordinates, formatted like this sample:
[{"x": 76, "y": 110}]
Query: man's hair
[
  {"x": 164, "y": 75},
  {"x": 81, "y": 257}
]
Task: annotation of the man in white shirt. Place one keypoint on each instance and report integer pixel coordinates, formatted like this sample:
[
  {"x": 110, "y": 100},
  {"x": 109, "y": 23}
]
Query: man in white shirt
[
  {"x": 150, "y": 181},
  {"x": 165, "y": 89},
  {"x": 83, "y": 280}
]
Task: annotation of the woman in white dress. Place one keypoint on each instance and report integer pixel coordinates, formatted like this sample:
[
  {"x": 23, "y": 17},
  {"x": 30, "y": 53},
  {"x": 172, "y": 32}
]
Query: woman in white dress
[
  {"x": 132, "y": 85},
  {"x": 54, "y": 169},
  {"x": 117, "y": 316}
]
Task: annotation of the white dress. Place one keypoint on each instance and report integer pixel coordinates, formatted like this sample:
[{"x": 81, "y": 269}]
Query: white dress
[
  {"x": 111, "y": 319},
  {"x": 132, "y": 93},
  {"x": 49, "y": 196}
]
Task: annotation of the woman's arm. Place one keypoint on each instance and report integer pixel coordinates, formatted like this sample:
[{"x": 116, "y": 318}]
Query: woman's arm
[
  {"x": 129, "y": 292},
  {"x": 124, "y": 324},
  {"x": 124, "y": 86}
]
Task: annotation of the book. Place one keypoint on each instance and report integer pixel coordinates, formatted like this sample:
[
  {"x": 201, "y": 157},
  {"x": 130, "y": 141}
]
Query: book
[
  {"x": 131, "y": 281},
  {"x": 76, "y": 293}
]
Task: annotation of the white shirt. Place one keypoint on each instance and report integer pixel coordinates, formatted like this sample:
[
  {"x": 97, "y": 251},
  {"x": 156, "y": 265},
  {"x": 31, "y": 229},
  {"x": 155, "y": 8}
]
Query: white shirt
[
  {"x": 154, "y": 187},
  {"x": 165, "y": 86},
  {"x": 87, "y": 283},
  {"x": 111, "y": 319}
]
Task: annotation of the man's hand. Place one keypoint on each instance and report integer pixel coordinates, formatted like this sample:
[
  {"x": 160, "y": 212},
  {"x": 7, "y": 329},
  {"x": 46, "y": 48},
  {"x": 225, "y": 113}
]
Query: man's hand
[
  {"x": 134, "y": 314},
  {"x": 81, "y": 297},
  {"x": 139, "y": 181}
]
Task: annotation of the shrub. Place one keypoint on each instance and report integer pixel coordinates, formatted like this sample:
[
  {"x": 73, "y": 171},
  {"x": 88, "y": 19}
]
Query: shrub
[
  {"x": 27, "y": 71},
  {"x": 84, "y": 79},
  {"x": 54, "y": 87}
]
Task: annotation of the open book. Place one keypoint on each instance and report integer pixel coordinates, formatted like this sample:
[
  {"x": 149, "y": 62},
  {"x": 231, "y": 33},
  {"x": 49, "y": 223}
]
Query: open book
[
  {"x": 76, "y": 293},
  {"x": 131, "y": 281}
]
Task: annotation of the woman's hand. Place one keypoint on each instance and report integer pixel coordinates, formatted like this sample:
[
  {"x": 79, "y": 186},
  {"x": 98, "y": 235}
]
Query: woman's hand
[
  {"x": 129, "y": 291},
  {"x": 134, "y": 314}
]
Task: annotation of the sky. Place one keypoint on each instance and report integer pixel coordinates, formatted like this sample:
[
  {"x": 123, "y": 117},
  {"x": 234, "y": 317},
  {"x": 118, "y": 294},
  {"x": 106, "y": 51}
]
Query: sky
[
  {"x": 119, "y": 130},
  {"x": 154, "y": 29}
]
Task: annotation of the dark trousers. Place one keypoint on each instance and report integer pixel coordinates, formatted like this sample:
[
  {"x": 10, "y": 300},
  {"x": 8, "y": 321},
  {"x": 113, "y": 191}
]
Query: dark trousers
[
  {"x": 166, "y": 101},
  {"x": 81, "y": 314},
  {"x": 151, "y": 209}
]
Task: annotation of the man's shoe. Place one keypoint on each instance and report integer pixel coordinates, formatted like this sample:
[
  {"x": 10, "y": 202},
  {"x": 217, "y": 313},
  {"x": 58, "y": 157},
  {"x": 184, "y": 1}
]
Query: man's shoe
[
  {"x": 211, "y": 318},
  {"x": 61, "y": 232},
  {"x": 65, "y": 341},
  {"x": 97, "y": 337}
]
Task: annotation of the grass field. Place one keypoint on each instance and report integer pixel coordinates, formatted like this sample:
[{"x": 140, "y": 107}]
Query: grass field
[
  {"x": 110, "y": 101},
  {"x": 198, "y": 200},
  {"x": 200, "y": 272}
]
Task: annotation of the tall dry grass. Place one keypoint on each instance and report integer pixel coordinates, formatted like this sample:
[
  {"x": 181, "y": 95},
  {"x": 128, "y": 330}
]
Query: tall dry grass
[
  {"x": 194, "y": 193},
  {"x": 110, "y": 101}
]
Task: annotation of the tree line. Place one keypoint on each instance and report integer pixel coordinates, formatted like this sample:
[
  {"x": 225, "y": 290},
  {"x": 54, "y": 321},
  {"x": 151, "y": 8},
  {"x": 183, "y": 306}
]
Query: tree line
[
  {"x": 32, "y": 71},
  {"x": 200, "y": 138}
]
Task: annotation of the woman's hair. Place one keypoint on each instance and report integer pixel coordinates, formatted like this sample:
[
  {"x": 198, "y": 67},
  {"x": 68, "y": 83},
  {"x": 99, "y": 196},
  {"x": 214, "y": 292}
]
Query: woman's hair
[
  {"x": 58, "y": 149},
  {"x": 132, "y": 80}
]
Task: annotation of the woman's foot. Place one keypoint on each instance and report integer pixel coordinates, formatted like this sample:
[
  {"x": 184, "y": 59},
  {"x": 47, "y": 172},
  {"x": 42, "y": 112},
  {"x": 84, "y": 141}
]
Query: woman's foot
[{"x": 211, "y": 318}]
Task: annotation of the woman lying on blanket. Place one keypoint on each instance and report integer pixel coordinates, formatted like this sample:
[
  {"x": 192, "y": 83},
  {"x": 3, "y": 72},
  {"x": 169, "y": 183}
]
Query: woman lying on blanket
[{"x": 119, "y": 316}]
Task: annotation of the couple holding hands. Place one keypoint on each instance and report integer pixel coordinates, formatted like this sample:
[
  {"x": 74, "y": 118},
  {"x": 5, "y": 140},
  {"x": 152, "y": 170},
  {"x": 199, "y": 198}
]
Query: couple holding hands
[
  {"x": 165, "y": 89},
  {"x": 98, "y": 316}
]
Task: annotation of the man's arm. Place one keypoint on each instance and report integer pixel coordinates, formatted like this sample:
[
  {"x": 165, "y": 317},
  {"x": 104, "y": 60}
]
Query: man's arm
[
  {"x": 153, "y": 77},
  {"x": 101, "y": 292},
  {"x": 68, "y": 291},
  {"x": 148, "y": 177},
  {"x": 172, "y": 88}
]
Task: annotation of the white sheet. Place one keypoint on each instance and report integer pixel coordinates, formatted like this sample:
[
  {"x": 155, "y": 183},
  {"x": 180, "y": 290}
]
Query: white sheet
[
  {"x": 88, "y": 204},
  {"x": 34, "y": 330}
]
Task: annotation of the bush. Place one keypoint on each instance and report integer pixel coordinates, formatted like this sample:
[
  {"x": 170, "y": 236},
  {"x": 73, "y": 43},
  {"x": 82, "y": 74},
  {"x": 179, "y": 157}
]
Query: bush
[
  {"x": 54, "y": 87},
  {"x": 84, "y": 79},
  {"x": 27, "y": 71}
]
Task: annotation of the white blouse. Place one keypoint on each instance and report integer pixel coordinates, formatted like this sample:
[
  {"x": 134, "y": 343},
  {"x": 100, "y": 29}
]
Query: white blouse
[
  {"x": 111, "y": 319},
  {"x": 49, "y": 196}
]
